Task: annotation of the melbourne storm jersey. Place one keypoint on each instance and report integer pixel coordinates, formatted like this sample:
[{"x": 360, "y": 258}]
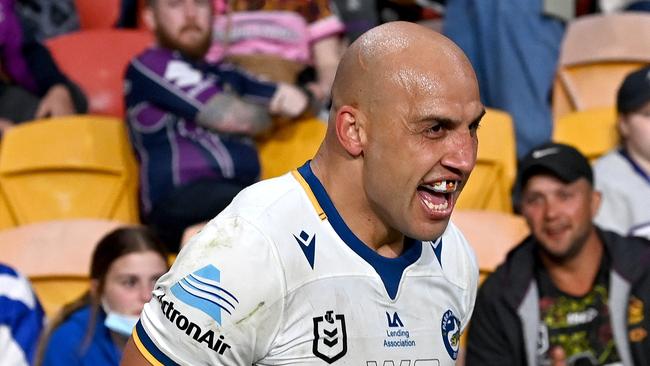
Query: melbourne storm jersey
[{"x": 278, "y": 278}]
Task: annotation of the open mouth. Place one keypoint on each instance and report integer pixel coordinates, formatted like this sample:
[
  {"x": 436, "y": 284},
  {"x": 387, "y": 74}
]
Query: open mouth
[{"x": 437, "y": 196}]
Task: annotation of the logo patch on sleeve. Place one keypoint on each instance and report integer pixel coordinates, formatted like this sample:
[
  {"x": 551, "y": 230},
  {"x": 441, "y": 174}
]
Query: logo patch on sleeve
[
  {"x": 451, "y": 333},
  {"x": 201, "y": 289}
]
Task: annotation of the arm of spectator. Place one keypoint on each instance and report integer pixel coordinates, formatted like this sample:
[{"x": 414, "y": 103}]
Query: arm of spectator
[
  {"x": 227, "y": 112},
  {"x": 49, "y": 80},
  {"x": 56, "y": 102},
  {"x": 285, "y": 100},
  {"x": 326, "y": 53},
  {"x": 215, "y": 100}
]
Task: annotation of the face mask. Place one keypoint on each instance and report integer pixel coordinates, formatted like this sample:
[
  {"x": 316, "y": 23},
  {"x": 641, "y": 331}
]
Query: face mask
[{"x": 119, "y": 323}]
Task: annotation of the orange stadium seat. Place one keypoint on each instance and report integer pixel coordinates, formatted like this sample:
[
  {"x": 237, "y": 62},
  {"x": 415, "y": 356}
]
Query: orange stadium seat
[
  {"x": 96, "y": 60},
  {"x": 491, "y": 234},
  {"x": 491, "y": 182},
  {"x": 55, "y": 256},
  {"x": 597, "y": 52},
  {"x": 290, "y": 146},
  {"x": 97, "y": 14},
  {"x": 68, "y": 167},
  {"x": 592, "y": 131}
]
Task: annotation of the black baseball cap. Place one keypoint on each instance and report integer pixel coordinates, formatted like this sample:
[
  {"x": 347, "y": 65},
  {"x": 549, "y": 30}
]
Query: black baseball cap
[
  {"x": 634, "y": 93},
  {"x": 562, "y": 161}
]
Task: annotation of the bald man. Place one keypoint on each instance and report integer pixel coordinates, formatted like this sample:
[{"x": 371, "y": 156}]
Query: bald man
[{"x": 350, "y": 259}]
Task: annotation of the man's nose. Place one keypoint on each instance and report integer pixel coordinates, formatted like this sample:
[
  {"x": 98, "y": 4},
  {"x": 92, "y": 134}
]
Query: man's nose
[
  {"x": 190, "y": 9},
  {"x": 461, "y": 152}
]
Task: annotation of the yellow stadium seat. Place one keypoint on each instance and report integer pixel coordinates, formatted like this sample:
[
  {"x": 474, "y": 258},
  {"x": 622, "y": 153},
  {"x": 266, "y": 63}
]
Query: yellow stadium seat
[
  {"x": 491, "y": 182},
  {"x": 68, "y": 167},
  {"x": 597, "y": 52},
  {"x": 592, "y": 132},
  {"x": 55, "y": 256},
  {"x": 492, "y": 234},
  {"x": 290, "y": 146}
]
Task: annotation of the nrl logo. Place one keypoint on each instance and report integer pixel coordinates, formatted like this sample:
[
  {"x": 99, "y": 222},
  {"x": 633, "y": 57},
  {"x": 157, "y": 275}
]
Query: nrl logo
[{"x": 330, "y": 338}]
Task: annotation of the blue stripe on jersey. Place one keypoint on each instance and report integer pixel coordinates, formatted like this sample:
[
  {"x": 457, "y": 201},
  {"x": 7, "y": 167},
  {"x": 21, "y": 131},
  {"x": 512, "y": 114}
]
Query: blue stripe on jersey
[
  {"x": 151, "y": 347},
  {"x": 24, "y": 322},
  {"x": 7, "y": 270},
  {"x": 389, "y": 269}
]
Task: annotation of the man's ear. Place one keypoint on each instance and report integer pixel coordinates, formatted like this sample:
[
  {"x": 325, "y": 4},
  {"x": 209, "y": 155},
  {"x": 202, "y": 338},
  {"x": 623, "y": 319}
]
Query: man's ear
[
  {"x": 596, "y": 198},
  {"x": 94, "y": 288},
  {"x": 349, "y": 129},
  {"x": 148, "y": 18}
]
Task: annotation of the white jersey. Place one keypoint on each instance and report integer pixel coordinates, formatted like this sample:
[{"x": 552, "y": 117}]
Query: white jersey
[{"x": 279, "y": 279}]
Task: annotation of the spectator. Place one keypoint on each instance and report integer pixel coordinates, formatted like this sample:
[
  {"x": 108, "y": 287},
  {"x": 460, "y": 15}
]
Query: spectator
[
  {"x": 278, "y": 40},
  {"x": 43, "y": 19},
  {"x": 191, "y": 122},
  {"x": 570, "y": 293},
  {"x": 21, "y": 319},
  {"x": 623, "y": 175},
  {"x": 94, "y": 329},
  {"x": 33, "y": 86},
  {"x": 514, "y": 47}
]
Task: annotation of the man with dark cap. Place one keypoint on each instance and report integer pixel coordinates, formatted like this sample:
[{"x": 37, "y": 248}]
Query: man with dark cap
[
  {"x": 623, "y": 175},
  {"x": 570, "y": 293}
]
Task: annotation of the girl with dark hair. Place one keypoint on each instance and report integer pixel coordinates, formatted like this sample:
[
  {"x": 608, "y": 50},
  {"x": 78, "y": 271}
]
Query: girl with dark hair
[{"x": 94, "y": 329}]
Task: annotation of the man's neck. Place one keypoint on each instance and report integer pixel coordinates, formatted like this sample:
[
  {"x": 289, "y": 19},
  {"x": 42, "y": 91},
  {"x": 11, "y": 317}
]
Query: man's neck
[
  {"x": 576, "y": 276},
  {"x": 348, "y": 196}
]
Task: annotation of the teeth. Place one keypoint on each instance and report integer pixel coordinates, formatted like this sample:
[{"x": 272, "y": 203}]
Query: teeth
[
  {"x": 444, "y": 186},
  {"x": 440, "y": 207}
]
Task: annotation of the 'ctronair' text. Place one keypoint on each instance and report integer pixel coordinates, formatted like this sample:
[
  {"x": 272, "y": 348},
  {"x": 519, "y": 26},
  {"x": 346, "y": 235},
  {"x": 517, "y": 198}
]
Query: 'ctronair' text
[{"x": 190, "y": 328}]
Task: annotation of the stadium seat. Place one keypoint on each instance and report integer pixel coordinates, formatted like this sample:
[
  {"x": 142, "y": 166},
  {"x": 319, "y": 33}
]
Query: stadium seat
[
  {"x": 290, "y": 146},
  {"x": 55, "y": 256},
  {"x": 597, "y": 52},
  {"x": 592, "y": 131},
  {"x": 491, "y": 234},
  {"x": 96, "y": 60},
  {"x": 98, "y": 14},
  {"x": 491, "y": 182},
  {"x": 68, "y": 167}
]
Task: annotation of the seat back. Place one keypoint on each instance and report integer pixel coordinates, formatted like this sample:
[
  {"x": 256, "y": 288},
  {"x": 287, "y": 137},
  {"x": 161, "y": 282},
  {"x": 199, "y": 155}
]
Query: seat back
[
  {"x": 68, "y": 167},
  {"x": 597, "y": 52},
  {"x": 592, "y": 132},
  {"x": 98, "y": 14},
  {"x": 491, "y": 181},
  {"x": 290, "y": 146},
  {"x": 96, "y": 59},
  {"x": 55, "y": 256},
  {"x": 491, "y": 234}
]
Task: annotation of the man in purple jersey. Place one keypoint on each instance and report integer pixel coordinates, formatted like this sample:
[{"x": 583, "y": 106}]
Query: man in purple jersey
[{"x": 191, "y": 122}]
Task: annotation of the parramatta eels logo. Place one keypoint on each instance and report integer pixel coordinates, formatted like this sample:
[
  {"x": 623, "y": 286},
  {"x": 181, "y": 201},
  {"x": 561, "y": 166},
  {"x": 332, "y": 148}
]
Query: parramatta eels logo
[
  {"x": 201, "y": 289},
  {"x": 451, "y": 333}
]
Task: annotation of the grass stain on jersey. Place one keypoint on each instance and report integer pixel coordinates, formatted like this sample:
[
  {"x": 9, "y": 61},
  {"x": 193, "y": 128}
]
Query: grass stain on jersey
[{"x": 257, "y": 308}]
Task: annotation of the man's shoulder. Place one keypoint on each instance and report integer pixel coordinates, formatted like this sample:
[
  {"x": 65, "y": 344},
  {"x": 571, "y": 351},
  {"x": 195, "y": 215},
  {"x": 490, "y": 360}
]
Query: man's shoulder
[
  {"x": 609, "y": 163},
  {"x": 269, "y": 196},
  {"x": 154, "y": 60},
  {"x": 515, "y": 273}
]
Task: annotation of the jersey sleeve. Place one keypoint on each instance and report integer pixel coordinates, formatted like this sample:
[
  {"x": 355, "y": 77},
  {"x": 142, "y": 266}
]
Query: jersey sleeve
[{"x": 221, "y": 302}]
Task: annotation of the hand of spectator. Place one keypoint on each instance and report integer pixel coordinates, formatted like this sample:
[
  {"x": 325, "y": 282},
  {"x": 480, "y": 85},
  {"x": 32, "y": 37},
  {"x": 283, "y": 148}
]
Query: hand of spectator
[
  {"x": 5, "y": 124},
  {"x": 57, "y": 102},
  {"x": 289, "y": 101},
  {"x": 558, "y": 357}
]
